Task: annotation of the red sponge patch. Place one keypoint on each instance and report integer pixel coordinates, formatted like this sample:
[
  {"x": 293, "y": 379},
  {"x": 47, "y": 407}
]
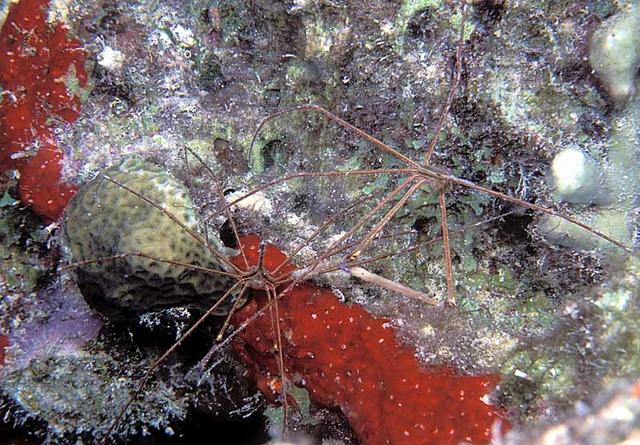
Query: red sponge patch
[
  {"x": 4, "y": 343},
  {"x": 36, "y": 58},
  {"x": 348, "y": 359}
]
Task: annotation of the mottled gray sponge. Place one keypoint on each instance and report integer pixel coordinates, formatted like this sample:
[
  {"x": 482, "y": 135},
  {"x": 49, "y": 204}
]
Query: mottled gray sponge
[{"x": 105, "y": 219}]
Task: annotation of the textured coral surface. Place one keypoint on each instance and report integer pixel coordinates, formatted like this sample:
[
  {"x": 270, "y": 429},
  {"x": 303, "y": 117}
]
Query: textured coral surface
[
  {"x": 104, "y": 219},
  {"x": 349, "y": 359},
  {"x": 37, "y": 56}
]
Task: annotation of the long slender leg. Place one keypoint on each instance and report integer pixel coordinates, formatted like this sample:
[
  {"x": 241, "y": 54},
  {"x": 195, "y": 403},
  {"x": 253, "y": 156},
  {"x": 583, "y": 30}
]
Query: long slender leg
[
  {"x": 190, "y": 185},
  {"x": 452, "y": 90},
  {"x": 334, "y": 248},
  {"x": 317, "y": 108},
  {"x": 451, "y": 299},
  {"x": 227, "y": 320},
  {"x": 273, "y": 301},
  {"x": 150, "y": 257},
  {"x": 315, "y": 234},
  {"x": 227, "y": 210},
  {"x": 164, "y": 356},
  {"x": 417, "y": 247},
  {"x": 470, "y": 185},
  {"x": 172, "y": 217},
  {"x": 384, "y": 221},
  {"x": 382, "y": 171},
  {"x": 368, "y": 216}
]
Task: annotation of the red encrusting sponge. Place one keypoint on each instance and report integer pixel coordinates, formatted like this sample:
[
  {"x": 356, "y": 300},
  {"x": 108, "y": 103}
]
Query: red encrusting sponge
[
  {"x": 36, "y": 57},
  {"x": 4, "y": 343},
  {"x": 347, "y": 358}
]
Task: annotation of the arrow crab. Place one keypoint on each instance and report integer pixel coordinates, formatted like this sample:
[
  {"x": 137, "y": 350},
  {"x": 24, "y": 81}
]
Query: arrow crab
[
  {"x": 388, "y": 230},
  {"x": 353, "y": 224},
  {"x": 357, "y": 233}
]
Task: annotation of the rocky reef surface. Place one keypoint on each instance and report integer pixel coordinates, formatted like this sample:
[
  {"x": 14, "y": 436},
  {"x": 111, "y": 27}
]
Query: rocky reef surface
[{"x": 546, "y": 111}]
